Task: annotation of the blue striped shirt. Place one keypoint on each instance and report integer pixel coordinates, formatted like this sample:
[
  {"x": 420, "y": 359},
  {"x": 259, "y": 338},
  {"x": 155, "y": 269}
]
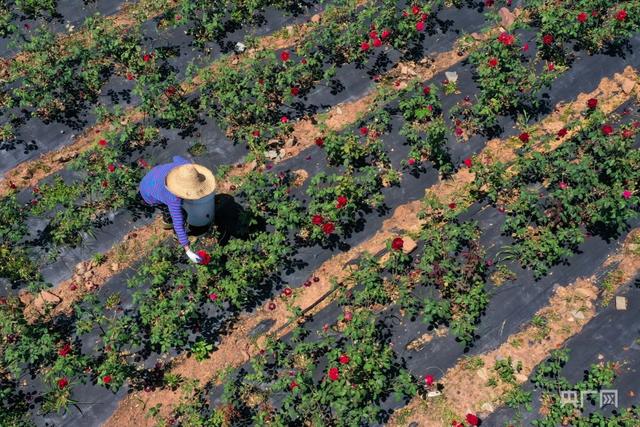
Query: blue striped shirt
[{"x": 154, "y": 191}]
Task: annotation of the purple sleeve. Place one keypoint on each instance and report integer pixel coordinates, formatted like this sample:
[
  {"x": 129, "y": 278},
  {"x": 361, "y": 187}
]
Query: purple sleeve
[{"x": 175, "y": 210}]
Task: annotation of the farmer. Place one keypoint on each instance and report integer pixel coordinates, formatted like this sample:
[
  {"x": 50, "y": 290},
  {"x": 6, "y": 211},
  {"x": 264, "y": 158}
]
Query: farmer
[{"x": 167, "y": 185}]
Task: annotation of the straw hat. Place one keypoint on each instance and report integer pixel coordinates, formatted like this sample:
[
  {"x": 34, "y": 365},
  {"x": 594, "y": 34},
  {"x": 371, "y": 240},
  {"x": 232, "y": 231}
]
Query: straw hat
[{"x": 191, "y": 181}]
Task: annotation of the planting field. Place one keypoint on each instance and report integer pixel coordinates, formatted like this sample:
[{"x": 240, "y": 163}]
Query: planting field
[{"x": 427, "y": 213}]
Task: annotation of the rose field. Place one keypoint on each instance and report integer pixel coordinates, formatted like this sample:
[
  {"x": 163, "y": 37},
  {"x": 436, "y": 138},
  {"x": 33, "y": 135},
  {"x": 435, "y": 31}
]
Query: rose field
[{"x": 427, "y": 213}]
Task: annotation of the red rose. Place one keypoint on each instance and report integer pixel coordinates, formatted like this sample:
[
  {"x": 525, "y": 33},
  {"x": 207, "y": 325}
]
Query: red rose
[
  {"x": 73, "y": 287},
  {"x": 373, "y": 34},
  {"x": 424, "y": 17},
  {"x": 106, "y": 379},
  {"x": 458, "y": 131},
  {"x": 426, "y": 90},
  {"x": 213, "y": 296},
  {"x": 348, "y": 316},
  {"x": 12, "y": 185},
  {"x": 111, "y": 167},
  {"x": 130, "y": 76},
  {"x": 320, "y": 141},
  {"x": 420, "y": 26},
  {"x": 146, "y": 58},
  {"x": 364, "y": 46},
  {"x": 411, "y": 162},
  {"x": 328, "y": 228},
  {"x": 364, "y": 131},
  {"x": 592, "y": 103},
  {"x": 170, "y": 91},
  {"x": 452, "y": 205},
  {"x": 582, "y": 17},
  {"x": 563, "y": 185},
  {"x": 178, "y": 17},
  {"x": 621, "y": 15},
  {"x": 506, "y": 39},
  {"x": 456, "y": 424},
  {"x": 626, "y": 194},
  {"x": 493, "y": 62},
  {"x": 524, "y": 137},
  {"x": 341, "y": 202},
  {"x": 627, "y": 133},
  {"x": 472, "y": 419},
  {"x": 562, "y": 132},
  {"x": 143, "y": 163},
  {"x": 317, "y": 220},
  {"x": 271, "y": 306},
  {"x": 104, "y": 183},
  {"x": 344, "y": 359},
  {"x": 385, "y": 34},
  {"x": 468, "y": 162},
  {"x": 428, "y": 380},
  {"x": 551, "y": 66},
  {"x": 525, "y": 47},
  {"x": 397, "y": 244},
  {"x": 205, "y": 258},
  {"x": 377, "y": 42},
  {"x": 284, "y": 119},
  {"x": 256, "y": 133},
  {"x": 293, "y": 385},
  {"x": 64, "y": 350},
  {"x": 547, "y": 39},
  {"x": 102, "y": 142},
  {"x": 62, "y": 383},
  {"x": 295, "y": 91},
  {"x": 607, "y": 130},
  {"x": 284, "y": 55},
  {"x": 334, "y": 374},
  {"x": 415, "y": 9},
  {"x": 287, "y": 291}
]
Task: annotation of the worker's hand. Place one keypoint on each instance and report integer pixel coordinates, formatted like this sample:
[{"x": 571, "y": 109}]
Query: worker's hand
[{"x": 193, "y": 256}]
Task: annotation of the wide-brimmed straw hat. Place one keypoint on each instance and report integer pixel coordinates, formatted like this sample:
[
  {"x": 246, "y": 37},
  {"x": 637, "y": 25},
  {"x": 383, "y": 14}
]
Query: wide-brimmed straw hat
[{"x": 191, "y": 181}]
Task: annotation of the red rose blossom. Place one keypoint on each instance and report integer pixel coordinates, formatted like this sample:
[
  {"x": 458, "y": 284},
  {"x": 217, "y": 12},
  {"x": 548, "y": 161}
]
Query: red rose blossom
[
  {"x": 397, "y": 244},
  {"x": 106, "y": 379},
  {"x": 493, "y": 62},
  {"x": 255, "y": 133},
  {"x": 547, "y": 39},
  {"x": 271, "y": 306},
  {"x": 62, "y": 383},
  {"x": 627, "y": 133},
  {"x": 420, "y": 26},
  {"x": 428, "y": 380},
  {"x": 607, "y": 130},
  {"x": 328, "y": 228},
  {"x": 385, "y": 34},
  {"x": 473, "y": 420},
  {"x": 213, "y": 296},
  {"x": 373, "y": 34},
  {"x": 524, "y": 137},
  {"x": 415, "y": 9},
  {"x": 348, "y": 316},
  {"x": 104, "y": 183},
  {"x": 364, "y": 131},
  {"x": 592, "y": 103},
  {"x": 320, "y": 141},
  {"x": 364, "y": 46},
  {"x": 284, "y": 55},
  {"x": 452, "y": 205},
  {"x": 621, "y": 15},
  {"x": 102, "y": 142},
  {"x": 411, "y": 162},
  {"x": 344, "y": 359},
  {"x": 317, "y": 220},
  {"x": 551, "y": 66},
  {"x": 626, "y": 194},
  {"x": 468, "y": 162},
  {"x": 287, "y": 291},
  {"x": 293, "y": 385},
  {"x": 341, "y": 202},
  {"x": 130, "y": 76},
  {"x": 562, "y": 132},
  {"x": 111, "y": 167},
  {"x": 506, "y": 39},
  {"x": 426, "y": 90},
  {"x": 146, "y": 58},
  {"x": 334, "y": 374},
  {"x": 295, "y": 91},
  {"x": 377, "y": 42},
  {"x": 64, "y": 350},
  {"x": 563, "y": 185},
  {"x": 582, "y": 17},
  {"x": 205, "y": 258},
  {"x": 284, "y": 119}
]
